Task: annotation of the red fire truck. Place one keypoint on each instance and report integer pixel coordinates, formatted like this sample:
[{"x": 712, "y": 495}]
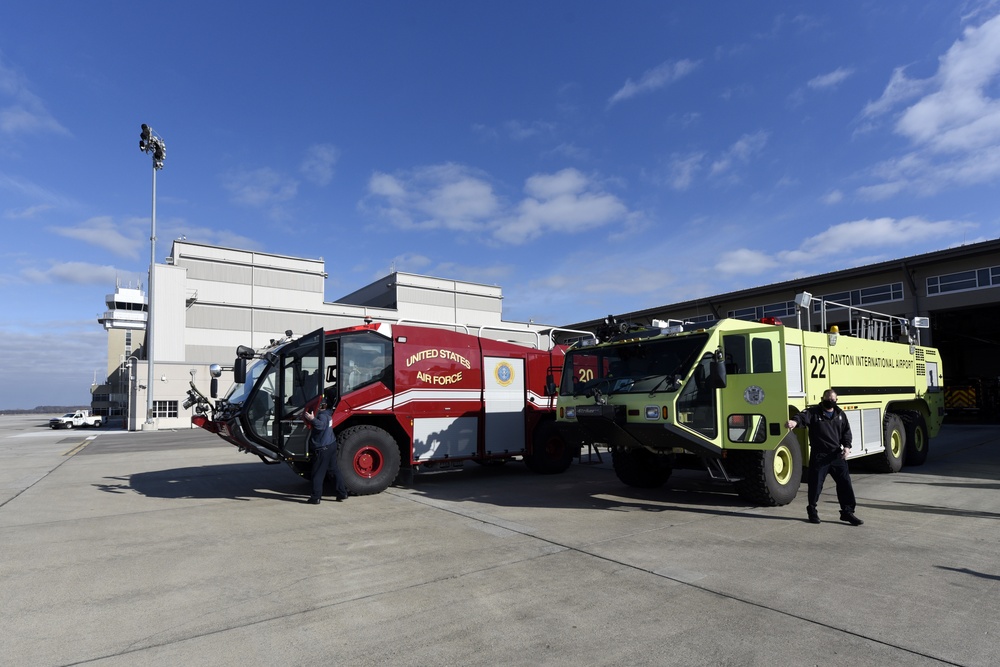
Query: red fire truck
[{"x": 406, "y": 397}]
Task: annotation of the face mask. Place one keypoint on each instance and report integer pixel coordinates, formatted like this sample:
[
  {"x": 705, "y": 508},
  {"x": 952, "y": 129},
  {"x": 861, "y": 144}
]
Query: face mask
[{"x": 828, "y": 404}]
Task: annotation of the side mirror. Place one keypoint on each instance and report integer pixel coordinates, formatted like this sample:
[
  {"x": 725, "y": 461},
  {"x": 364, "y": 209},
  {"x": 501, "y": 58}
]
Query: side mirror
[
  {"x": 240, "y": 371},
  {"x": 717, "y": 375},
  {"x": 550, "y": 385},
  {"x": 215, "y": 387}
]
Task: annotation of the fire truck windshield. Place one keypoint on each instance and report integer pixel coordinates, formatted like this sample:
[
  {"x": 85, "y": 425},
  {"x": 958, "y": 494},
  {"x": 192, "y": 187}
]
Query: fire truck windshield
[
  {"x": 644, "y": 366},
  {"x": 239, "y": 392}
]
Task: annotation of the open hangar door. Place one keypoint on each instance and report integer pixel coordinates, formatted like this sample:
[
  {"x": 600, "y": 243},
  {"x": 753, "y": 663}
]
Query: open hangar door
[{"x": 969, "y": 342}]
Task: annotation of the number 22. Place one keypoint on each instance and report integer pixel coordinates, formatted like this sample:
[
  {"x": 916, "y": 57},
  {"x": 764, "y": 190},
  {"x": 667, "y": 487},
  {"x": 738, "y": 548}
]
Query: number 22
[{"x": 818, "y": 366}]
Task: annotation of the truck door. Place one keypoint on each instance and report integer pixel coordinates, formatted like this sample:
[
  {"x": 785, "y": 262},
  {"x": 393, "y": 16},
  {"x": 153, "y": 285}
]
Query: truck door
[
  {"x": 300, "y": 380},
  {"x": 755, "y": 400},
  {"x": 504, "y": 397}
]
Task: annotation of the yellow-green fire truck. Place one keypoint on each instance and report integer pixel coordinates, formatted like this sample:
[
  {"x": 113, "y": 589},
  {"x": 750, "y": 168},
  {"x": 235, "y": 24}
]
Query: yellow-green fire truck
[{"x": 718, "y": 395}]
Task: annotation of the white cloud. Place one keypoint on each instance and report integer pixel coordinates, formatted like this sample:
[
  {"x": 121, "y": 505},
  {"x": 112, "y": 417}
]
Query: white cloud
[
  {"x": 74, "y": 350},
  {"x": 831, "y": 79},
  {"x": 408, "y": 262},
  {"x": 899, "y": 90},
  {"x": 683, "y": 169},
  {"x": 832, "y": 197},
  {"x": 570, "y": 151},
  {"x": 654, "y": 79},
  {"x": 317, "y": 166},
  {"x": 35, "y": 192},
  {"x": 564, "y": 202},
  {"x": 875, "y": 239},
  {"x": 74, "y": 273},
  {"x": 515, "y": 130},
  {"x": 26, "y": 213},
  {"x": 460, "y": 199},
  {"x": 447, "y": 196},
  {"x": 741, "y": 151},
  {"x": 21, "y": 111},
  {"x": 173, "y": 228},
  {"x": 745, "y": 262},
  {"x": 260, "y": 187},
  {"x": 519, "y": 131},
  {"x": 954, "y": 124},
  {"x": 103, "y": 232},
  {"x": 888, "y": 233}
]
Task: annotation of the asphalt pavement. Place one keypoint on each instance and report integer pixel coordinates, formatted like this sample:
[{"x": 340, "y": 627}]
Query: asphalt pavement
[{"x": 171, "y": 547}]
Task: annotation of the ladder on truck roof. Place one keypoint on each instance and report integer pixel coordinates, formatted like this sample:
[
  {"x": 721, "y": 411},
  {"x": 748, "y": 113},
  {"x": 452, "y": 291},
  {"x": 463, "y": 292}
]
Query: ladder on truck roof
[{"x": 863, "y": 323}]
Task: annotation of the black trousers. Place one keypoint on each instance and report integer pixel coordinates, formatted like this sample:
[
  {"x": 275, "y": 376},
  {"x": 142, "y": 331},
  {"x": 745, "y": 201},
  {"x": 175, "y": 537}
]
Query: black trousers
[
  {"x": 836, "y": 467},
  {"x": 325, "y": 463}
]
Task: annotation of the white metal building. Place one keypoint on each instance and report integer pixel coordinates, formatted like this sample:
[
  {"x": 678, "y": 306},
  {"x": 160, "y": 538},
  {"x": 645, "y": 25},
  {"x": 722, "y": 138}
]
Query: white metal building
[{"x": 208, "y": 300}]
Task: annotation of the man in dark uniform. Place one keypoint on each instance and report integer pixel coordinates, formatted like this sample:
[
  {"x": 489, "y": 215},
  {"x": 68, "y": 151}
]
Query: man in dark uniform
[
  {"x": 829, "y": 446},
  {"x": 323, "y": 445}
]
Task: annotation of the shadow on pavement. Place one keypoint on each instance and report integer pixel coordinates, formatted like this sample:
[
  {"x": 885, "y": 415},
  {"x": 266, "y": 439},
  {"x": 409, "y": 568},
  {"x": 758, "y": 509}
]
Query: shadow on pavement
[
  {"x": 239, "y": 481},
  {"x": 581, "y": 487},
  {"x": 502, "y": 486},
  {"x": 929, "y": 509}
]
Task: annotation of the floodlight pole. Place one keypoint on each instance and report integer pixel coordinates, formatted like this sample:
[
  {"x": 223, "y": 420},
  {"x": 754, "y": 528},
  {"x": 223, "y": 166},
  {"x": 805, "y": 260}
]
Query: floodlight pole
[{"x": 150, "y": 143}]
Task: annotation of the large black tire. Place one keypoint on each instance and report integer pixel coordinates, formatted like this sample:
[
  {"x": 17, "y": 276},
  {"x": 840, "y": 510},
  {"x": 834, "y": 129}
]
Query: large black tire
[
  {"x": 770, "y": 477},
  {"x": 893, "y": 443},
  {"x": 368, "y": 459},
  {"x": 640, "y": 468},
  {"x": 550, "y": 453},
  {"x": 918, "y": 443}
]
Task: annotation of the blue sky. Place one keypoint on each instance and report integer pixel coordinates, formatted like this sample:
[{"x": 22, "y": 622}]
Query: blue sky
[{"x": 589, "y": 157}]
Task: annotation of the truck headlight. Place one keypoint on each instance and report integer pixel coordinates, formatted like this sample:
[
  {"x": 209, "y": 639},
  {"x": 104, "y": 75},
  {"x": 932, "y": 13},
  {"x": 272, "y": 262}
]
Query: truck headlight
[{"x": 571, "y": 412}]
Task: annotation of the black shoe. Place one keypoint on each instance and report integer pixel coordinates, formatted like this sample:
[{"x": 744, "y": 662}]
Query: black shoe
[
  {"x": 312, "y": 501},
  {"x": 850, "y": 518},
  {"x": 342, "y": 498},
  {"x": 813, "y": 516}
]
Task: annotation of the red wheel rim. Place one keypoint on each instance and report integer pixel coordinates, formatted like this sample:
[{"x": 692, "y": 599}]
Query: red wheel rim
[{"x": 368, "y": 462}]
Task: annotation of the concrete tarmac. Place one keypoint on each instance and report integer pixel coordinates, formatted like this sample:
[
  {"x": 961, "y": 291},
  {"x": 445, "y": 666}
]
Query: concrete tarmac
[{"x": 172, "y": 548}]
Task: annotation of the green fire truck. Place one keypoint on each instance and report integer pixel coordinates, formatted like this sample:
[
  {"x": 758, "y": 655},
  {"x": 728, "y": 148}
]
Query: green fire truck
[{"x": 717, "y": 395}]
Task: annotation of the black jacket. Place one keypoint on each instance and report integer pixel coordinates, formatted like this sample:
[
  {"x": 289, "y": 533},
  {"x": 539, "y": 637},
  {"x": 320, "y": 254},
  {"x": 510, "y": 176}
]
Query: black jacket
[{"x": 826, "y": 435}]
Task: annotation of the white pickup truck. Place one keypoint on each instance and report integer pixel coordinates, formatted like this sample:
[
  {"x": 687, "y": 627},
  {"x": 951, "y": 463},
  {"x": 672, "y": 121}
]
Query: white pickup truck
[{"x": 78, "y": 418}]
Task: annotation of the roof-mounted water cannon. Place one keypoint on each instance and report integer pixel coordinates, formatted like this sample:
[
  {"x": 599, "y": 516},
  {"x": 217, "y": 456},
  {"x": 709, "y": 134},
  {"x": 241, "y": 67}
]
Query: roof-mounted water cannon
[
  {"x": 915, "y": 325},
  {"x": 202, "y": 406},
  {"x": 669, "y": 326},
  {"x": 612, "y": 327}
]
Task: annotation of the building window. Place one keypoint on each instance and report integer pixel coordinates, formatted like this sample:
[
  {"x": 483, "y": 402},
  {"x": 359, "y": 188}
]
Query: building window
[
  {"x": 698, "y": 319},
  {"x": 128, "y": 342},
  {"x": 755, "y": 313},
  {"x": 862, "y": 297},
  {"x": 164, "y": 408},
  {"x": 101, "y": 398},
  {"x": 964, "y": 280}
]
